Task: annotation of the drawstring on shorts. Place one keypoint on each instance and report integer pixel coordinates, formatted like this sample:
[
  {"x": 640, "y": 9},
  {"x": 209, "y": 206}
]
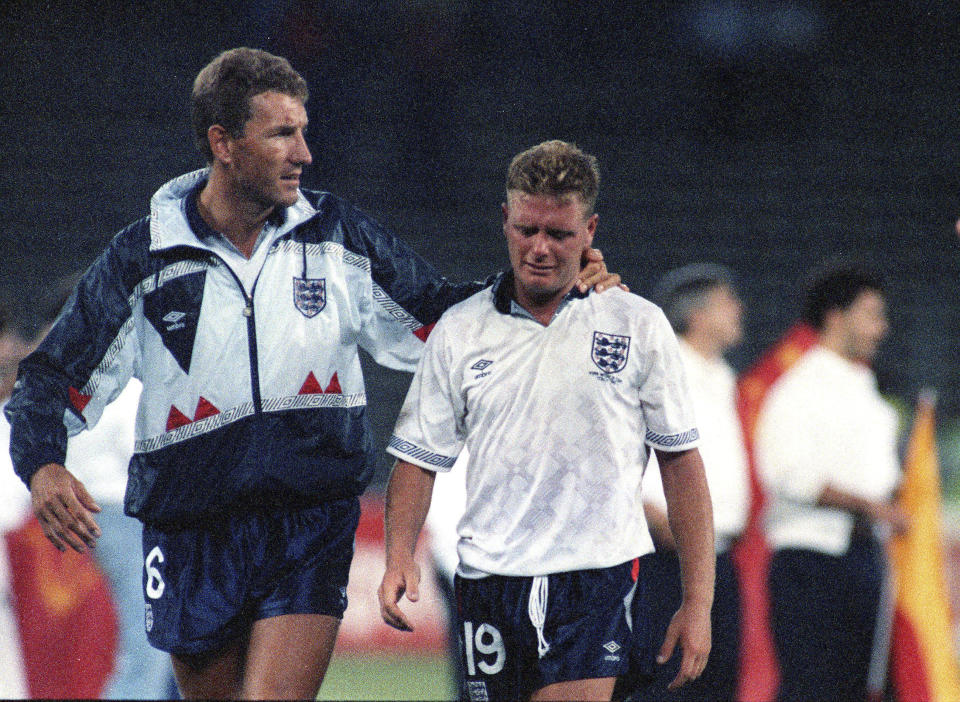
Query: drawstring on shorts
[{"x": 537, "y": 609}]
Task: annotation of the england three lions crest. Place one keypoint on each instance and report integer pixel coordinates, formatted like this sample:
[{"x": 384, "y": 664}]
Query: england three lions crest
[
  {"x": 310, "y": 295},
  {"x": 610, "y": 351}
]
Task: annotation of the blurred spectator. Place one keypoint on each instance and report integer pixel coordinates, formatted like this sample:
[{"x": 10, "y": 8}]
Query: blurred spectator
[
  {"x": 99, "y": 458},
  {"x": 703, "y": 307},
  {"x": 14, "y": 508},
  {"x": 826, "y": 448}
]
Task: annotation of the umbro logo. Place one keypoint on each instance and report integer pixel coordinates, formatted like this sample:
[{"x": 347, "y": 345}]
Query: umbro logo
[
  {"x": 174, "y": 320},
  {"x": 477, "y": 691},
  {"x": 481, "y": 366},
  {"x": 612, "y": 646}
]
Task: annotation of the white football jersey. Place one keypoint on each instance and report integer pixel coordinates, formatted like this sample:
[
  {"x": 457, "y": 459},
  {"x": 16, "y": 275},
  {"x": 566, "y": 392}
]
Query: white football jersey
[{"x": 557, "y": 420}]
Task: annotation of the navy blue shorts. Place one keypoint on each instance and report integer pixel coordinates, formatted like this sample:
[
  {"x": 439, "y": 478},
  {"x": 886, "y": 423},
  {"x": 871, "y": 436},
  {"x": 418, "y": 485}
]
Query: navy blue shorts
[
  {"x": 657, "y": 600},
  {"x": 204, "y": 587},
  {"x": 519, "y": 634}
]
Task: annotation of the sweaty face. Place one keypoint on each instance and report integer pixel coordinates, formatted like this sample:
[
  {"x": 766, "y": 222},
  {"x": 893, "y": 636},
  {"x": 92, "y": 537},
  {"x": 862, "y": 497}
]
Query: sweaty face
[
  {"x": 546, "y": 237},
  {"x": 267, "y": 160},
  {"x": 865, "y": 325}
]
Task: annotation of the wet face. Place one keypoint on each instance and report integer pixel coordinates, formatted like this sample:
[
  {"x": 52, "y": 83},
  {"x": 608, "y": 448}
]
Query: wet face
[
  {"x": 864, "y": 325},
  {"x": 546, "y": 238},
  {"x": 266, "y": 162}
]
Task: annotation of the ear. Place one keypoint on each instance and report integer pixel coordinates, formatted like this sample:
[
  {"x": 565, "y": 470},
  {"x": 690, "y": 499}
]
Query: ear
[
  {"x": 832, "y": 319},
  {"x": 591, "y": 228},
  {"x": 219, "y": 140},
  {"x": 505, "y": 211}
]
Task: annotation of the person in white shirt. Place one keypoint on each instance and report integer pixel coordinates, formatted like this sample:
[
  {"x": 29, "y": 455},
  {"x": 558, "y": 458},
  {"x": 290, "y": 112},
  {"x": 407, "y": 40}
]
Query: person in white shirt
[
  {"x": 702, "y": 305},
  {"x": 826, "y": 450},
  {"x": 14, "y": 510},
  {"x": 99, "y": 459},
  {"x": 558, "y": 398}
]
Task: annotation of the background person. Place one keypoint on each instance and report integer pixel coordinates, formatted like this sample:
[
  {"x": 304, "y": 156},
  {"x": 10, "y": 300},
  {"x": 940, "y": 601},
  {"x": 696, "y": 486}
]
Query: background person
[
  {"x": 826, "y": 449},
  {"x": 14, "y": 509},
  {"x": 99, "y": 459},
  {"x": 703, "y": 308}
]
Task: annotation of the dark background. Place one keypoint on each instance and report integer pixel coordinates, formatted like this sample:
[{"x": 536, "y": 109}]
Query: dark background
[{"x": 767, "y": 135}]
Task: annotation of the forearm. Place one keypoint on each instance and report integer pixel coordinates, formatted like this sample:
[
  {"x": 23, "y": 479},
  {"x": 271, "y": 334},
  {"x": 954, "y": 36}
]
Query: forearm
[
  {"x": 690, "y": 515},
  {"x": 408, "y": 501},
  {"x": 35, "y": 412},
  {"x": 659, "y": 527},
  {"x": 874, "y": 510},
  {"x": 830, "y": 496}
]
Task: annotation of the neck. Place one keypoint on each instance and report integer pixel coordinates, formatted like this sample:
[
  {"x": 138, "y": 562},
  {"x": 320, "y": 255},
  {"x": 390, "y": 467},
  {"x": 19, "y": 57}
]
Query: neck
[
  {"x": 834, "y": 341},
  {"x": 703, "y": 345},
  {"x": 239, "y": 220},
  {"x": 541, "y": 309}
]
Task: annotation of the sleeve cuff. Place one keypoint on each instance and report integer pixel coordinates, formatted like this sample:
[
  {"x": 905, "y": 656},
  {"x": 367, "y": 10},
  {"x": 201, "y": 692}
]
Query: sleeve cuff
[
  {"x": 673, "y": 442},
  {"x": 410, "y": 452}
]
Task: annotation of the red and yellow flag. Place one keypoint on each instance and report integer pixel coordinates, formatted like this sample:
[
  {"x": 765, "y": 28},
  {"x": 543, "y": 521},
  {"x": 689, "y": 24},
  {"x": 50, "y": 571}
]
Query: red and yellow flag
[
  {"x": 759, "y": 674},
  {"x": 923, "y": 662},
  {"x": 68, "y": 629}
]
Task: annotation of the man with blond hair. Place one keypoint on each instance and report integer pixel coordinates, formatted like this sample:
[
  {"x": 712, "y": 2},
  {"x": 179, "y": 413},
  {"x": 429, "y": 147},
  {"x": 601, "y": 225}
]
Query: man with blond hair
[{"x": 557, "y": 396}]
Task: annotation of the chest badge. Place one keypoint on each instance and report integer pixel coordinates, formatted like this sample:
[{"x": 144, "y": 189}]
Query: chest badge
[
  {"x": 310, "y": 295},
  {"x": 610, "y": 351}
]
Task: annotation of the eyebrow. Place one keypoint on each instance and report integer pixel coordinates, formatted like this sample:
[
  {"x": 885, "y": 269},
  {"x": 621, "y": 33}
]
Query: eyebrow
[{"x": 525, "y": 228}]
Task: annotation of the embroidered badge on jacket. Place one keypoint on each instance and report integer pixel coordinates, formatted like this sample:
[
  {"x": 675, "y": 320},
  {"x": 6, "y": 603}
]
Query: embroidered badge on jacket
[{"x": 310, "y": 295}]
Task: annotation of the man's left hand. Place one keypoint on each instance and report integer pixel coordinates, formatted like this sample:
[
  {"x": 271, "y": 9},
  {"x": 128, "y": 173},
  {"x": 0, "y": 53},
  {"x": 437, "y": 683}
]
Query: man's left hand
[
  {"x": 690, "y": 629},
  {"x": 594, "y": 273}
]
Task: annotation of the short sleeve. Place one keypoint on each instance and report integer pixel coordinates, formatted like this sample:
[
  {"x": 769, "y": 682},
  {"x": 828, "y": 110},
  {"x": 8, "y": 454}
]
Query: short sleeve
[
  {"x": 429, "y": 430},
  {"x": 664, "y": 397}
]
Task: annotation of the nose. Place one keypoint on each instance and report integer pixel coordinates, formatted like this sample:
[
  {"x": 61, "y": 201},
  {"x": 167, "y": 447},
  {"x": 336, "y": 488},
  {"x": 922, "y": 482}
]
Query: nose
[
  {"x": 301, "y": 153},
  {"x": 540, "y": 244}
]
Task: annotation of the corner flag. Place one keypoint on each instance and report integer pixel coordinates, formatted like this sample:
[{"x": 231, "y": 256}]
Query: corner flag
[{"x": 923, "y": 663}]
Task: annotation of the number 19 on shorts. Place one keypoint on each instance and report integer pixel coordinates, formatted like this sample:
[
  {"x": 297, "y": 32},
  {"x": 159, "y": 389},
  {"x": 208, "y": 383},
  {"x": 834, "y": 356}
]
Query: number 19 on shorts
[{"x": 483, "y": 648}]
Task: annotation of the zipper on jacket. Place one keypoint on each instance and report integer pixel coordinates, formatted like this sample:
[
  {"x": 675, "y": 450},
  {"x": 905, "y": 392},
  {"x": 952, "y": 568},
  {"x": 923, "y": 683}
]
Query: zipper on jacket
[
  {"x": 251, "y": 334},
  {"x": 252, "y": 341}
]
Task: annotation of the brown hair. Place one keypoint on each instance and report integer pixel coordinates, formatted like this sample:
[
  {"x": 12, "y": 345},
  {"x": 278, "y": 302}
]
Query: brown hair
[{"x": 223, "y": 89}]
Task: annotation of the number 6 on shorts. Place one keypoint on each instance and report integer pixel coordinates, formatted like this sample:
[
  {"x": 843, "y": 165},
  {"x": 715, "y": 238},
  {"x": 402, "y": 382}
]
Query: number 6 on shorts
[{"x": 155, "y": 584}]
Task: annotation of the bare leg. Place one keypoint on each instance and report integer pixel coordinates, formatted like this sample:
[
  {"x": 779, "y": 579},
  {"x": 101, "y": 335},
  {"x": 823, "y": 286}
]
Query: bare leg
[
  {"x": 591, "y": 689},
  {"x": 288, "y": 656},
  {"x": 217, "y": 676}
]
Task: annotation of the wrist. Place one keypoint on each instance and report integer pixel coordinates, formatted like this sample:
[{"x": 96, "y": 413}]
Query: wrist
[{"x": 697, "y": 603}]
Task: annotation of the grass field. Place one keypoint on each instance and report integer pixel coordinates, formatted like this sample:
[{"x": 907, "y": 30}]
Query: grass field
[{"x": 368, "y": 677}]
